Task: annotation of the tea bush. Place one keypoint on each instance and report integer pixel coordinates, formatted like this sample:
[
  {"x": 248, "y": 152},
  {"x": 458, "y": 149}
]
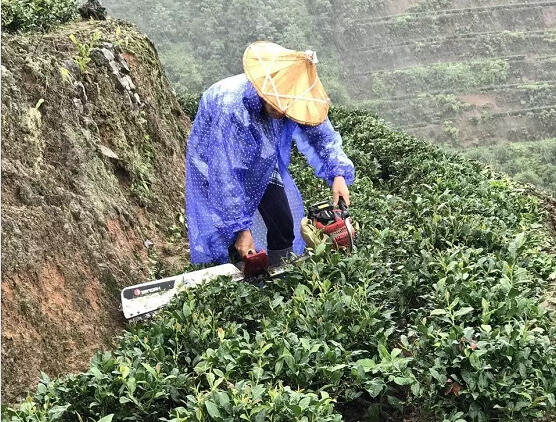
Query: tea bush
[
  {"x": 27, "y": 15},
  {"x": 527, "y": 162},
  {"x": 439, "y": 311}
]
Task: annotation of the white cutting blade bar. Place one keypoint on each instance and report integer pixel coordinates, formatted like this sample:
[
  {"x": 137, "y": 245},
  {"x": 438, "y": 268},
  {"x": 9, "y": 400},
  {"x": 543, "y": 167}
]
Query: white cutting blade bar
[{"x": 145, "y": 298}]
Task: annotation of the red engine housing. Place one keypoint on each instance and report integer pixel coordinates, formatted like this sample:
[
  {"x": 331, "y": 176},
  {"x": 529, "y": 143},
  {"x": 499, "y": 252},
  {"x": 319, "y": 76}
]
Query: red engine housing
[
  {"x": 334, "y": 222},
  {"x": 338, "y": 232}
]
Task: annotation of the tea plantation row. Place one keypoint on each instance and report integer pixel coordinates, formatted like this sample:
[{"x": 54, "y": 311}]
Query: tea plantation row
[{"x": 437, "y": 316}]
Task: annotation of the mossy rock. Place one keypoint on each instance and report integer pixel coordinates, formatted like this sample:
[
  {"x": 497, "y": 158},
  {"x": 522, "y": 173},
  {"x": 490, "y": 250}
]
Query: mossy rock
[{"x": 88, "y": 177}]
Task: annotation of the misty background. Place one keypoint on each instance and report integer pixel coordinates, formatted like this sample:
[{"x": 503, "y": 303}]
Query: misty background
[{"x": 472, "y": 75}]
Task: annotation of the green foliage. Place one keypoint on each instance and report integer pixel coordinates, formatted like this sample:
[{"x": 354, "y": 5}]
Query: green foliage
[
  {"x": 438, "y": 309},
  {"x": 83, "y": 56},
  {"x": 178, "y": 230},
  {"x": 141, "y": 165},
  {"x": 527, "y": 162},
  {"x": 428, "y": 5},
  {"x": 451, "y": 131},
  {"x": 371, "y": 51},
  {"x": 417, "y": 109},
  {"x": 190, "y": 104},
  {"x": 36, "y": 15},
  {"x": 435, "y": 77},
  {"x": 203, "y": 42}
]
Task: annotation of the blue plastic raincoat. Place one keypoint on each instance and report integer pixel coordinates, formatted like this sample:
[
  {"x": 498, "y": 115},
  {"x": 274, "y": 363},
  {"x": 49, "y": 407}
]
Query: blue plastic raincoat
[{"x": 232, "y": 151}]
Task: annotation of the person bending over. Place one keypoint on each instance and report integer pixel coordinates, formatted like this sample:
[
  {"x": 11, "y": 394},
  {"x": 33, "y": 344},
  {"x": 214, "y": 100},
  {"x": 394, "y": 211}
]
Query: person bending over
[{"x": 238, "y": 188}]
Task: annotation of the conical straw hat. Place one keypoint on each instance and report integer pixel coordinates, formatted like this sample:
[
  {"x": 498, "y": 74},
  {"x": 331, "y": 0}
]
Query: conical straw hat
[{"x": 287, "y": 80}]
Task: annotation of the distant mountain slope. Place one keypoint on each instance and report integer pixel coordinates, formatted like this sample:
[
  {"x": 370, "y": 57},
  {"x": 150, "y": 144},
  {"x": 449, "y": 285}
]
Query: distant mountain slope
[
  {"x": 463, "y": 72},
  {"x": 529, "y": 162}
]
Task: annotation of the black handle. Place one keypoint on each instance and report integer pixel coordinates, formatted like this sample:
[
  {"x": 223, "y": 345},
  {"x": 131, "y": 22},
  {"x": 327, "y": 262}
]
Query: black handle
[
  {"x": 344, "y": 213},
  {"x": 342, "y": 203},
  {"x": 233, "y": 254}
]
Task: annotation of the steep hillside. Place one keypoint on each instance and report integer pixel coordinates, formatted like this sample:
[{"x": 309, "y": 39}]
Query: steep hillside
[
  {"x": 436, "y": 316},
  {"x": 528, "y": 162},
  {"x": 462, "y": 72},
  {"x": 92, "y": 189}
]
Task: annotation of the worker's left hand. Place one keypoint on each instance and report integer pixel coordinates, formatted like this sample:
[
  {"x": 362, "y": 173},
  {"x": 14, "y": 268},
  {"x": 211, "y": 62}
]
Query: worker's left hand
[{"x": 339, "y": 188}]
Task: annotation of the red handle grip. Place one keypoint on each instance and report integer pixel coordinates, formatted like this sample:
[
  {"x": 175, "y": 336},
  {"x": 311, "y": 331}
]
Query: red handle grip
[{"x": 255, "y": 263}]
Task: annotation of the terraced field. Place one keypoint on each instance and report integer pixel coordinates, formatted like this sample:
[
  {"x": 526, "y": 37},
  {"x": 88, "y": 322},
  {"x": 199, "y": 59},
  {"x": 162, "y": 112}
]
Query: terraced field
[{"x": 464, "y": 72}]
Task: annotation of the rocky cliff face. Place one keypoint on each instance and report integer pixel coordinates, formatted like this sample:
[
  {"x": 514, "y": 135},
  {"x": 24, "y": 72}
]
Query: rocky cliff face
[{"x": 92, "y": 191}]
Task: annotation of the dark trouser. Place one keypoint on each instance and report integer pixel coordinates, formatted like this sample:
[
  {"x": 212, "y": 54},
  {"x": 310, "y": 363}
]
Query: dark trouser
[{"x": 277, "y": 216}]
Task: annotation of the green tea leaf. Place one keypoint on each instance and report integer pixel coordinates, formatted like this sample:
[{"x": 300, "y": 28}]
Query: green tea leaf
[
  {"x": 223, "y": 399},
  {"x": 383, "y": 352},
  {"x": 441, "y": 378},
  {"x": 150, "y": 369},
  {"x": 375, "y": 387},
  {"x": 320, "y": 249},
  {"x": 186, "y": 309},
  {"x": 212, "y": 409},
  {"x": 403, "y": 380},
  {"x": 124, "y": 370},
  {"x": 366, "y": 364},
  {"x": 57, "y": 411},
  {"x": 463, "y": 311},
  {"x": 475, "y": 361},
  {"x": 516, "y": 244}
]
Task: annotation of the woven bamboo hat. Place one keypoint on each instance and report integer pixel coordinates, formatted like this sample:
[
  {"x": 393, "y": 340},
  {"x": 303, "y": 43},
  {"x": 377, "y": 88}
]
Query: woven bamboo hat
[{"x": 287, "y": 80}]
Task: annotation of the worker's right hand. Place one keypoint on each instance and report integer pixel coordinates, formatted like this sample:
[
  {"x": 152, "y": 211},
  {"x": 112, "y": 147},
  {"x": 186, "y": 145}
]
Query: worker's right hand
[
  {"x": 340, "y": 189},
  {"x": 245, "y": 244}
]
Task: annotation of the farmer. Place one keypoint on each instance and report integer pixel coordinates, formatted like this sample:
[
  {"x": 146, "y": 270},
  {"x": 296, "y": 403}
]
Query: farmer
[{"x": 238, "y": 189}]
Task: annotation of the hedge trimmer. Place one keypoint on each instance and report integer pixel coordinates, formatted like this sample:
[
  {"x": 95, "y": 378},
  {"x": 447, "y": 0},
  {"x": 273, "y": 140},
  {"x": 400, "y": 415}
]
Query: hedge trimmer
[
  {"x": 143, "y": 300},
  {"x": 334, "y": 222}
]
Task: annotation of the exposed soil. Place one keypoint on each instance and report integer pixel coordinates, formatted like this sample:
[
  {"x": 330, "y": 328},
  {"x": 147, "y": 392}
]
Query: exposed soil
[
  {"x": 549, "y": 16},
  {"x": 87, "y": 177},
  {"x": 401, "y": 6},
  {"x": 479, "y": 100}
]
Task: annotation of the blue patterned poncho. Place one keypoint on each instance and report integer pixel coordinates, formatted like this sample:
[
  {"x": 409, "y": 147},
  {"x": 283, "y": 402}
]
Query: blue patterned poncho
[{"x": 232, "y": 151}]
